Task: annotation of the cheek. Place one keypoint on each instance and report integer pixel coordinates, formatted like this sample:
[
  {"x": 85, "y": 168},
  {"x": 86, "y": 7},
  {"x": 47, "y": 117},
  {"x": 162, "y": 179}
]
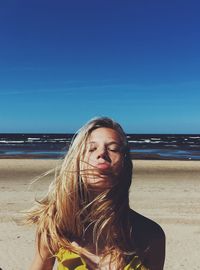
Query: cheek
[
  {"x": 88, "y": 158},
  {"x": 87, "y": 161},
  {"x": 118, "y": 164},
  {"x": 84, "y": 162}
]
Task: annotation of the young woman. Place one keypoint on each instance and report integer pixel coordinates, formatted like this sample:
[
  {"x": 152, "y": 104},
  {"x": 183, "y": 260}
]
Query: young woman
[{"x": 85, "y": 221}]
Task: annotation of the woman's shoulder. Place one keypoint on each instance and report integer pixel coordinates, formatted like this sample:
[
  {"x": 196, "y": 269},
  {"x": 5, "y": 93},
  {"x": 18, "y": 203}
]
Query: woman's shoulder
[
  {"x": 149, "y": 238},
  {"x": 145, "y": 225}
]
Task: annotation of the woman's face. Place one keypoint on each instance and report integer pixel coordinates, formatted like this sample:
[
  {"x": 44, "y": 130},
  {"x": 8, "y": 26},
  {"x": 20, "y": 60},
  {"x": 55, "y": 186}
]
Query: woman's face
[{"x": 103, "y": 160}]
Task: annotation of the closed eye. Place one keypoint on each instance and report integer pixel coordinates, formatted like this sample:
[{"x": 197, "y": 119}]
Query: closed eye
[
  {"x": 92, "y": 149},
  {"x": 114, "y": 149}
]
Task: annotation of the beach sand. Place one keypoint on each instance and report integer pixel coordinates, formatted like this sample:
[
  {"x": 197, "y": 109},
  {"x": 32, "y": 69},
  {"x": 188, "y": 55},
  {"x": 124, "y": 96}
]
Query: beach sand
[{"x": 166, "y": 191}]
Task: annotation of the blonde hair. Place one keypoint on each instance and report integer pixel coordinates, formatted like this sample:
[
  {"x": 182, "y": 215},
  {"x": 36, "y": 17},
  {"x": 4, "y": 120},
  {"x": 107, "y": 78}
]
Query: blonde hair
[{"x": 67, "y": 212}]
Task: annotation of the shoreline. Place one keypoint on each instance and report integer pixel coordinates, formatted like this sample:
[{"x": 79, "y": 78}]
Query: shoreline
[
  {"x": 134, "y": 155},
  {"x": 165, "y": 191}
]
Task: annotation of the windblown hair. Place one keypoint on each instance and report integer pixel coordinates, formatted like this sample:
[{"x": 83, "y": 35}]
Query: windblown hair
[{"x": 67, "y": 212}]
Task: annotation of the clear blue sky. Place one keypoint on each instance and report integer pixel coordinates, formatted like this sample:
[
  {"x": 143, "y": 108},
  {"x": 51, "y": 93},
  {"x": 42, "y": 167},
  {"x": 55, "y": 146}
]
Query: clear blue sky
[{"x": 64, "y": 62}]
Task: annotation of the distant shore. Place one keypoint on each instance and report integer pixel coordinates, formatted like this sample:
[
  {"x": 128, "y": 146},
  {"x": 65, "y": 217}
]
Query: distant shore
[{"x": 165, "y": 191}]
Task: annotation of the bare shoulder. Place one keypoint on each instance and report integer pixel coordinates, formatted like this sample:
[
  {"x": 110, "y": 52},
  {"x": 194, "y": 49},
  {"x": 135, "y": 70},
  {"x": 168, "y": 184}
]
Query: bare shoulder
[{"x": 149, "y": 238}]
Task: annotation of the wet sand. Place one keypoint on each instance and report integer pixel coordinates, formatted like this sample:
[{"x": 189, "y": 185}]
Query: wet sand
[{"x": 165, "y": 191}]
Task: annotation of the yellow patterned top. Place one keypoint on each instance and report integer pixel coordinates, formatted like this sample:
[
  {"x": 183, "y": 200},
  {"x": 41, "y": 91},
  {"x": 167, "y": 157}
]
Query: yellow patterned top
[{"x": 71, "y": 261}]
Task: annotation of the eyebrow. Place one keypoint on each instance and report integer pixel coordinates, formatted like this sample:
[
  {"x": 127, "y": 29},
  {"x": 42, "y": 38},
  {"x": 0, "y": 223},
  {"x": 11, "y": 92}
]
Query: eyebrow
[{"x": 112, "y": 142}]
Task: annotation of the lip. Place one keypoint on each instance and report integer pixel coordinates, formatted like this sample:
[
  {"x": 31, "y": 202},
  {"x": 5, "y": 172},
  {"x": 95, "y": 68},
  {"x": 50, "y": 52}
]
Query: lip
[{"x": 103, "y": 166}]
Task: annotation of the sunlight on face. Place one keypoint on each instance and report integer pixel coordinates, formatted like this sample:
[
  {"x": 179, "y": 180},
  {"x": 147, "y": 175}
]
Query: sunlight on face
[{"x": 103, "y": 160}]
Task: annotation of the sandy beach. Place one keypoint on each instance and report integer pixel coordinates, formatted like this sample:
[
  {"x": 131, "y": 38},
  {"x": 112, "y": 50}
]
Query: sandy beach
[{"x": 166, "y": 191}]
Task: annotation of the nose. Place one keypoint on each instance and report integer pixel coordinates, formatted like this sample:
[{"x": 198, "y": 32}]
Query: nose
[{"x": 102, "y": 153}]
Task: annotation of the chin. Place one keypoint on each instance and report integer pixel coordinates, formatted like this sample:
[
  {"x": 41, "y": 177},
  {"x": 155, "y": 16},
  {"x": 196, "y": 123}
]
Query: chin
[{"x": 99, "y": 184}]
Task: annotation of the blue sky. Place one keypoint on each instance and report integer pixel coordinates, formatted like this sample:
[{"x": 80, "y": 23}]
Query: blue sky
[{"x": 64, "y": 62}]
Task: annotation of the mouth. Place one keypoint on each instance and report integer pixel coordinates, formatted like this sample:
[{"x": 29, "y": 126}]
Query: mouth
[{"x": 103, "y": 166}]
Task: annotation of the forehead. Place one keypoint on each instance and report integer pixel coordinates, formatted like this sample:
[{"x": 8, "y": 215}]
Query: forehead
[{"x": 105, "y": 134}]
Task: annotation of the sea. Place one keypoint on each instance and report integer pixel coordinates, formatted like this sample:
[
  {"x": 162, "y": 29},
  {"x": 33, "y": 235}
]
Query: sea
[{"x": 142, "y": 146}]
